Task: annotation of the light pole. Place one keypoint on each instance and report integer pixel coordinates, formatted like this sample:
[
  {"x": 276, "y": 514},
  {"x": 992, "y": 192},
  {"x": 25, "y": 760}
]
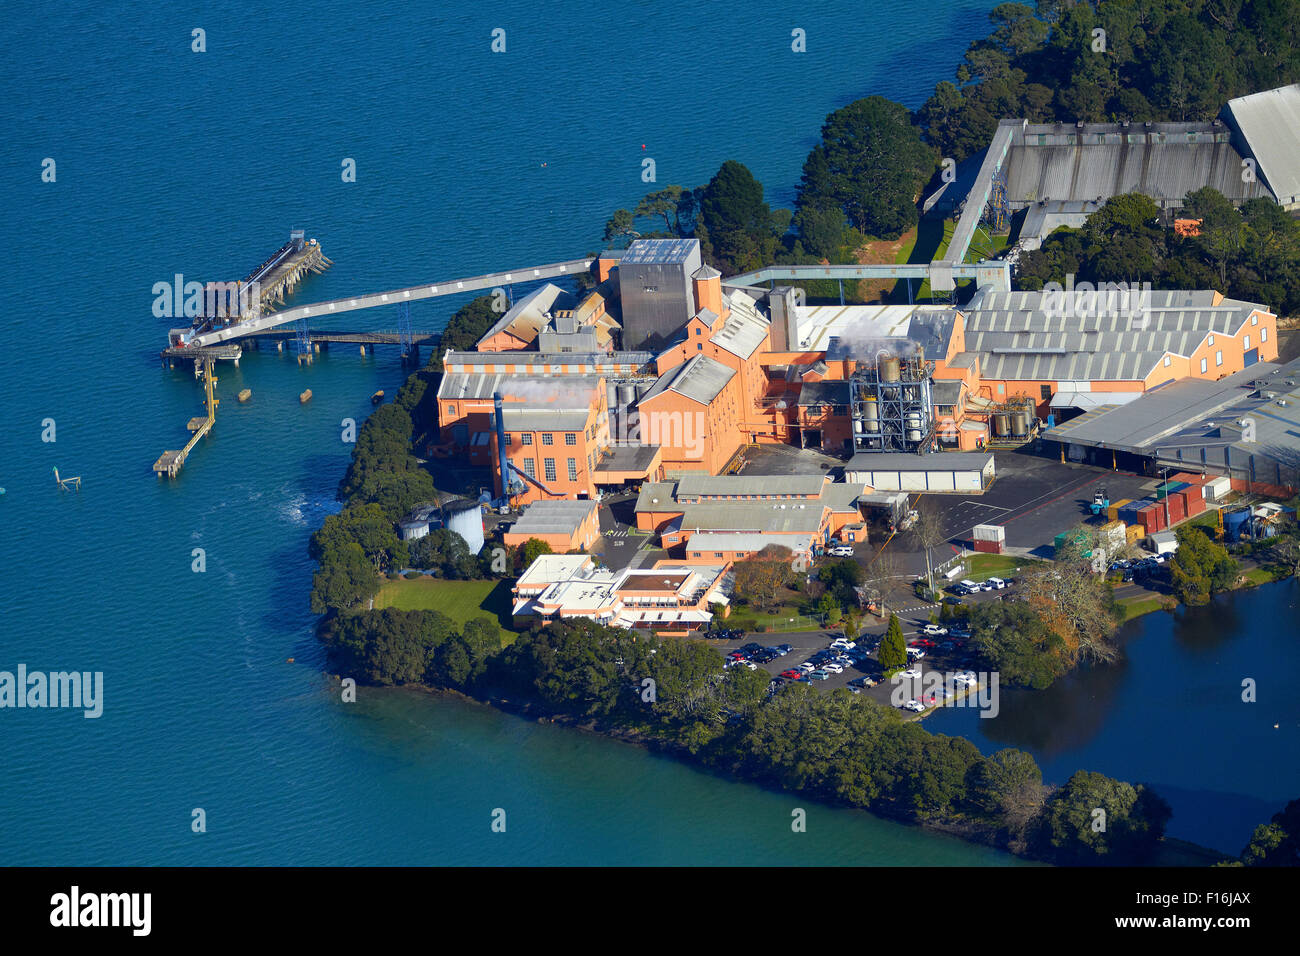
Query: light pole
[{"x": 1164, "y": 473}]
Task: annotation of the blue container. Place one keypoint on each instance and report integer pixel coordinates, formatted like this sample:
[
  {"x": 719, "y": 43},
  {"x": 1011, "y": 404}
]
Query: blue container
[{"x": 1234, "y": 522}]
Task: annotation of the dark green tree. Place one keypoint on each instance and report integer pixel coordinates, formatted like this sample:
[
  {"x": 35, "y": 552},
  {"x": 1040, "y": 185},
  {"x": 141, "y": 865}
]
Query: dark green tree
[
  {"x": 893, "y": 649},
  {"x": 1200, "y": 567}
]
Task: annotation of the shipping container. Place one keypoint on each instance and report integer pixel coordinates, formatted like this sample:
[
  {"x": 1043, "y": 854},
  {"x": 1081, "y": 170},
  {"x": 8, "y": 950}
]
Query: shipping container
[
  {"x": 988, "y": 547},
  {"x": 1217, "y": 488},
  {"x": 1113, "y": 511},
  {"x": 1134, "y": 533},
  {"x": 1195, "y": 505},
  {"x": 1176, "y": 510},
  {"x": 990, "y": 532}
]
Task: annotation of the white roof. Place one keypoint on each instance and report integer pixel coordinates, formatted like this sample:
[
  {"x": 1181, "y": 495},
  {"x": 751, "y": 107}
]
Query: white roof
[
  {"x": 818, "y": 323},
  {"x": 1270, "y": 124}
]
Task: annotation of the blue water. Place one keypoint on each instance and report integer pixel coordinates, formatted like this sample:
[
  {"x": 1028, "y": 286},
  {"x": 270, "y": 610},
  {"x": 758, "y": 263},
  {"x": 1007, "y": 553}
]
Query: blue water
[
  {"x": 170, "y": 161},
  {"x": 1173, "y": 714}
]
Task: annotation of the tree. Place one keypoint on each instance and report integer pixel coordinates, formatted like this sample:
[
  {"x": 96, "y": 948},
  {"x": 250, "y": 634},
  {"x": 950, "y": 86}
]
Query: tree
[
  {"x": 1276, "y": 843},
  {"x": 1200, "y": 567},
  {"x": 929, "y": 532},
  {"x": 1095, "y": 818},
  {"x": 345, "y": 579},
  {"x": 1016, "y": 643},
  {"x": 466, "y": 326},
  {"x": 367, "y": 525},
  {"x": 760, "y": 577},
  {"x": 736, "y": 227},
  {"x": 842, "y": 578},
  {"x": 619, "y": 227},
  {"x": 1221, "y": 226},
  {"x": 530, "y": 551},
  {"x": 893, "y": 649},
  {"x": 1009, "y": 785},
  {"x": 871, "y": 163}
]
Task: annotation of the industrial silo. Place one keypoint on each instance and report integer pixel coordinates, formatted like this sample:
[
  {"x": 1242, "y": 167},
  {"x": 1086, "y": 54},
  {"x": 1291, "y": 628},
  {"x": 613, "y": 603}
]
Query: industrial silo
[
  {"x": 871, "y": 414},
  {"x": 1001, "y": 425},
  {"x": 466, "y": 519},
  {"x": 889, "y": 369}
]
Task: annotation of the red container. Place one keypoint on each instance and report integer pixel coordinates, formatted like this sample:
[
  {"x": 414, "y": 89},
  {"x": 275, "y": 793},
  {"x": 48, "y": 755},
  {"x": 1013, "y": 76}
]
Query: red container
[
  {"x": 1195, "y": 506},
  {"x": 1177, "y": 507},
  {"x": 1152, "y": 517},
  {"x": 989, "y": 547}
]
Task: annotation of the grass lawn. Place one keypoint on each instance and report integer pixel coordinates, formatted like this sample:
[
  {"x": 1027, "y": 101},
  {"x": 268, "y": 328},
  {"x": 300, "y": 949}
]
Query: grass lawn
[
  {"x": 982, "y": 566},
  {"x": 459, "y": 600},
  {"x": 1261, "y": 576},
  {"x": 1136, "y": 607}
]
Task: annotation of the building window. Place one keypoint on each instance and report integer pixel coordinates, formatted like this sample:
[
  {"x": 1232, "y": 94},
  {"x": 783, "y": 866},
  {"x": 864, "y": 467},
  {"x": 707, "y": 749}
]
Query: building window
[
  {"x": 1002, "y": 388},
  {"x": 573, "y": 469},
  {"x": 508, "y": 439},
  {"x": 1168, "y": 361},
  {"x": 570, "y": 438},
  {"x": 697, "y": 330},
  {"x": 526, "y": 438},
  {"x": 548, "y": 466},
  {"x": 1218, "y": 357},
  {"x": 1263, "y": 335},
  {"x": 1205, "y": 363},
  {"x": 1254, "y": 320},
  {"x": 1044, "y": 391},
  {"x": 1211, "y": 340},
  {"x": 1247, "y": 345},
  {"x": 451, "y": 410},
  {"x": 699, "y": 346},
  {"x": 548, "y": 438},
  {"x": 717, "y": 554},
  {"x": 530, "y": 469}
]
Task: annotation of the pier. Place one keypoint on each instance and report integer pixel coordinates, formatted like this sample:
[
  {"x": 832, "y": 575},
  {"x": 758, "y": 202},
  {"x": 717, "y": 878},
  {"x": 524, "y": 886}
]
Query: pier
[{"x": 169, "y": 463}]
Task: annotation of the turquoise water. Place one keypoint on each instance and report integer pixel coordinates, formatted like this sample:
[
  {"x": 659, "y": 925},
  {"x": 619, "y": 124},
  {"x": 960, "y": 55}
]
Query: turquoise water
[{"x": 169, "y": 161}]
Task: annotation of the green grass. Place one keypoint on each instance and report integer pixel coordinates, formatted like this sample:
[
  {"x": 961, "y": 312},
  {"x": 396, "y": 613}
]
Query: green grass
[
  {"x": 459, "y": 600},
  {"x": 1263, "y": 575},
  {"x": 1136, "y": 607},
  {"x": 983, "y": 566},
  {"x": 749, "y": 619}
]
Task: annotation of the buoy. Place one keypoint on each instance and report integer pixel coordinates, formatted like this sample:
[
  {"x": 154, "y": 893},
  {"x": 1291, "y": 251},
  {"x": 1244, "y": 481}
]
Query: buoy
[
  {"x": 377, "y": 398},
  {"x": 305, "y": 396},
  {"x": 245, "y": 394},
  {"x": 289, "y": 661}
]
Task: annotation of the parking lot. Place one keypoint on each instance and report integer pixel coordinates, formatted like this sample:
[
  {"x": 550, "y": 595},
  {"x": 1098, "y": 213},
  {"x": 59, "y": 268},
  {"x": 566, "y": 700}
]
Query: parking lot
[{"x": 805, "y": 644}]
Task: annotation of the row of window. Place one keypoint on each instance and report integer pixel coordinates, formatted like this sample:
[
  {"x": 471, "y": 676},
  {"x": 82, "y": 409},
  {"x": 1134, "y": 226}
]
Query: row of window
[
  {"x": 526, "y": 438},
  {"x": 548, "y": 468}
]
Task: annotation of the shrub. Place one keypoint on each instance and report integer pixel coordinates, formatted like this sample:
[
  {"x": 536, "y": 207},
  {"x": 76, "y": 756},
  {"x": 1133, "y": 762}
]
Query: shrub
[{"x": 412, "y": 575}]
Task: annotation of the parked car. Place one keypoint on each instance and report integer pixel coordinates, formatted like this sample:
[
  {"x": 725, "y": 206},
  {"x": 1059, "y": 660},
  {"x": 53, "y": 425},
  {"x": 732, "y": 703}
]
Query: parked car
[
  {"x": 833, "y": 668},
  {"x": 998, "y": 583},
  {"x": 865, "y": 681},
  {"x": 792, "y": 674},
  {"x": 911, "y": 672},
  {"x": 783, "y": 649},
  {"x": 840, "y": 550},
  {"x": 915, "y": 653},
  {"x": 752, "y": 647},
  {"x": 807, "y": 667},
  {"x": 819, "y": 675},
  {"x": 934, "y": 630},
  {"x": 915, "y": 706},
  {"x": 843, "y": 643}
]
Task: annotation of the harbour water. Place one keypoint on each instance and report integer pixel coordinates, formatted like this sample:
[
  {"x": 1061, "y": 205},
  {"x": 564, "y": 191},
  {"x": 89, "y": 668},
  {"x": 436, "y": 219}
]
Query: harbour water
[{"x": 174, "y": 162}]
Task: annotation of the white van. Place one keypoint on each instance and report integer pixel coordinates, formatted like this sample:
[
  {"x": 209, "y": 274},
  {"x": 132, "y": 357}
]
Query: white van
[{"x": 997, "y": 583}]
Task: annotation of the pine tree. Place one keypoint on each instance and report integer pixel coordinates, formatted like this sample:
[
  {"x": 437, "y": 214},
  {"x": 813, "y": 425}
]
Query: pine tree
[{"x": 893, "y": 649}]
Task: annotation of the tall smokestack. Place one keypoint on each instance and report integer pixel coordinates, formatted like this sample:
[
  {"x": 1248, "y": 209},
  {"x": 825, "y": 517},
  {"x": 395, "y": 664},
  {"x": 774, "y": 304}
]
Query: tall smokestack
[{"x": 502, "y": 456}]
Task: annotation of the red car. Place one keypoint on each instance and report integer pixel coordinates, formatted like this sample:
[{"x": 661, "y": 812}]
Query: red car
[{"x": 792, "y": 674}]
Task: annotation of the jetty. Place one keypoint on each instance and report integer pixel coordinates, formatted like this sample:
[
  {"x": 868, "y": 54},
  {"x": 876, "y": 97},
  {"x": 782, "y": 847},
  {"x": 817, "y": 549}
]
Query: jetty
[{"x": 169, "y": 463}]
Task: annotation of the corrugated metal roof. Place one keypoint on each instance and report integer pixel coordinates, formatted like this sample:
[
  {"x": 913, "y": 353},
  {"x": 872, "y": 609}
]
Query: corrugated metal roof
[
  {"x": 1270, "y": 124},
  {"x": 525, "y": 318},
  {"x": 596, "y": 360},
  {"x": 544, "y": 419},
  {"x": 694, "y": 486},
  {"x": 940, "y": 461},
  {"x": 757, "y": 516},
  {"x": 745, "y": 328},
  {"x": 699, "y": 379},
  {"x": 553, "y": 517},
  {"x": 1164, "y": 164},
  {"x": 1017, "y": 340},
  {"x": 545, "y": 391},
  {"x": 834, "y": 392},
  {"x": 713, "y": 541},
  {"x": 660, "y": 250}
]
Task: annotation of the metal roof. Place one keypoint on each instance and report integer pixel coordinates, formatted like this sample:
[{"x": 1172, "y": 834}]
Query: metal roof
[
  {"x": 544, "y": 419},
  {"x": 1270, "y": 124},
  {"x": 526, "y": 317},
  {"x": 1016, "y": 339},
  {"x": 693, "y": 486},
  {"x": 834, "y": 392},
  {"x": 553, "y": 517},
  {"x": 1184, "y": 408},
  {"x": 940, "y": 461},
  {"x": 714, "y": 541},
  {"x": 546, "y": 391},
  {"x": 745, "y": 328},
  {"x": 659, "y": 250},
  {"x": 780, "y": 517},
  {"x": 699, "y": 379},
  {"x": 1165, "y": 162},
  {"x": 597, "y": 360}
]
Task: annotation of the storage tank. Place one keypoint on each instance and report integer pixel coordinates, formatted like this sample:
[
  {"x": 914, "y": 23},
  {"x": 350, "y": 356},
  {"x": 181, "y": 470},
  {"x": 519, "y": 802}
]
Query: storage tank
[
  {"x": 466, "y": 519},
  {"x": 913, "y": 422},
  {"x": 889, "y": 369},
  {"x": 871, "y": 413},
  {"x": 1001, "y": 425},
  {"x": 1020, "y": 423},
  {"x": 1234, "y": 522}
]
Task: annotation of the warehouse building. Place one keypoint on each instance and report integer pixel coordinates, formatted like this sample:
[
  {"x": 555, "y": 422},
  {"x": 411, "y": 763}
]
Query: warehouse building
[
  {"x": 1245, "y": 427},
  {"x": 967, "y": 472},
  {"x": 564, "y": 525}
]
